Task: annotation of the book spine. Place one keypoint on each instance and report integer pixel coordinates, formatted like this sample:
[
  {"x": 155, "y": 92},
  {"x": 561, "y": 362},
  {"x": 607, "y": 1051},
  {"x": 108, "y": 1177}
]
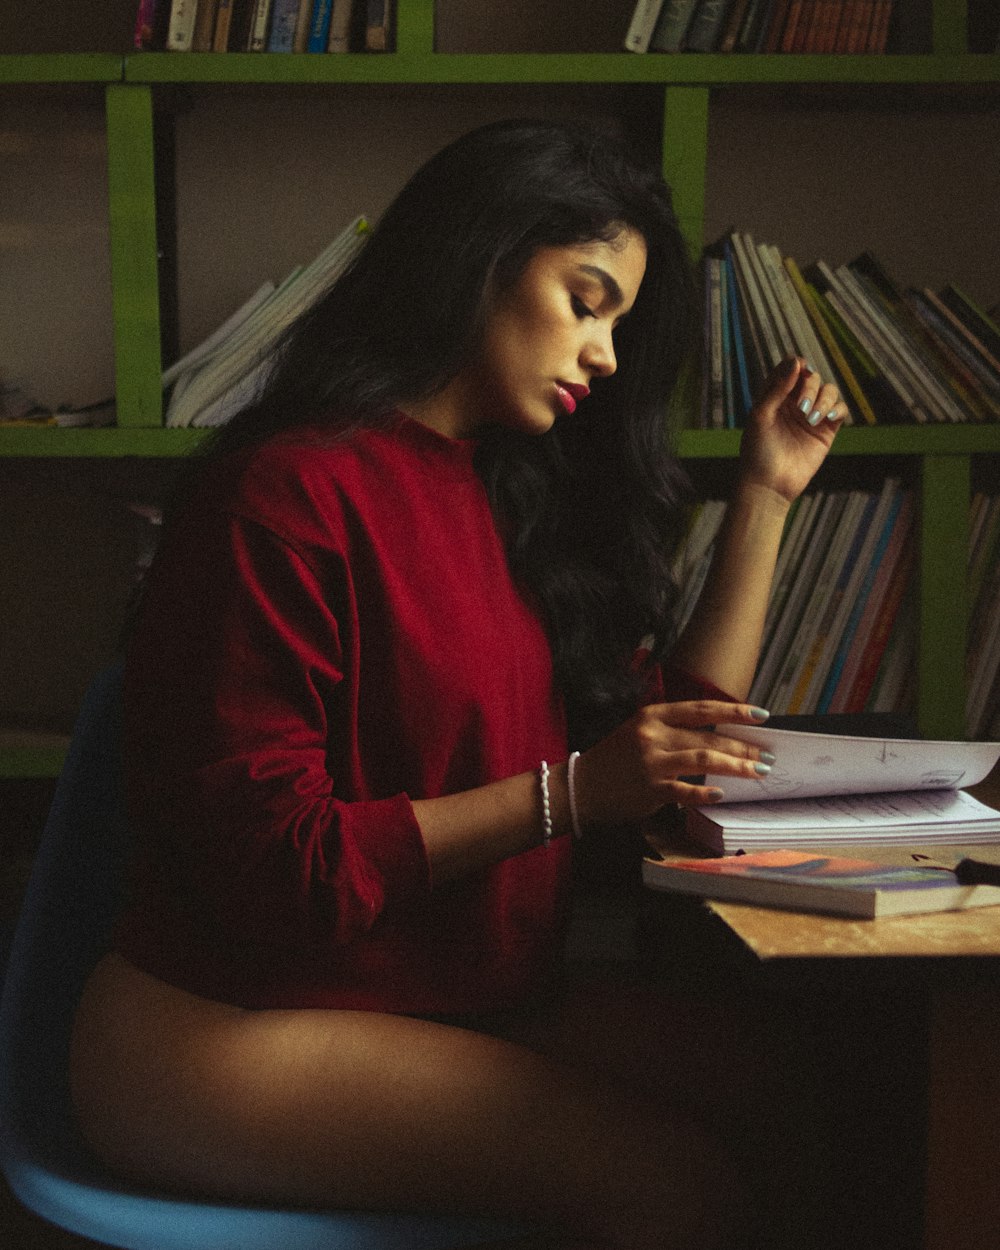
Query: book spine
[
  {"x": 378, "y": 33},
  {"x": 805, "y": 338},
  {"x": 180, "y": 33},
  {"x": 259, "y": 26},
  {"x": 866, "y": 551},
  {"x": 984, "y": 666},
  {"x": 745, "y": 388},
  {"x": 842, "y": 300},
  {"x": 797, "y": 530},
  {"x": 152, "y": 21},
  {"x": 882, "y": 627},
  {"x": 319, "y": 26},
  {"x": 973, "y": 317},
  {"x": 891, "y": 316},
  {"x": 990, "y": 362},
  {"x": 801, "y": 579},
  {"x": 641, "y": 27},
  {"x": 303, "y": 24},
  {"x": 792, "y": 20},
  {"x": 846, "y": 591},
  {"x": 783, "y": 336},
  {"x": 869, "y": 564},
  {"x": 886, "y": 402},
  {"x": 340, "y": 26},
  {"x": 204, "y": 26},
  {"x": 728, "y": 355},
  {"x": 884, "y": 576},
  {"x": 714, "y": 416},
  {"x": 821, "y": 587},
  {"x": 881, "y": 332},
  {"x": 956, "y": 349},
  {"x": 223, "y": 25},
  {"x": 284, "y": 15},
  {"x": 776, "y": 27},
  {"x": 752, "y": 349},
  {"x": 841, "y": 365},
  {"x": 730, "y": 37},
  {"x": 893, "y": 690},
  {"x": 753, "y": 29},
  {"x": 672, "y": 25},
  {"x": 761, "y": 315},
  {"x": 706, "y": 26}
]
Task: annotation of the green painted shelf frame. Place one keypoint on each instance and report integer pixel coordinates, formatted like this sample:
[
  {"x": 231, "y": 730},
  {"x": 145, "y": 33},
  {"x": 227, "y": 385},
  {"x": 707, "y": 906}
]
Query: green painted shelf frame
[{"x": 942, "y": 456}]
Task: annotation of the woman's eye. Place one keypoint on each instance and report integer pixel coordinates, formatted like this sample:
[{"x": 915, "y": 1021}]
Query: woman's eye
[{"x": 580, "y": 308}]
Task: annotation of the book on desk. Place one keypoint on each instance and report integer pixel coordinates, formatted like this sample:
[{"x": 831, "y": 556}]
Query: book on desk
[
  {"x": 812, "y": 881},
  {"x": 835, "y": 790}
]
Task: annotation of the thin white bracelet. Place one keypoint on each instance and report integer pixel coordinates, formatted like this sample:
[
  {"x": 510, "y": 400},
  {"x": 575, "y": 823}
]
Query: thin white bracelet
[
  {"x": 571, "y": 787},
  {"x": 543, "y": 779}
]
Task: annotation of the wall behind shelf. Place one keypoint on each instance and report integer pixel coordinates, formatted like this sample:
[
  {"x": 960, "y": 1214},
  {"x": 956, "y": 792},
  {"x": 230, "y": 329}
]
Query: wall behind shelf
[
  {"x": 320, "y": 157},
  {"x": 55, "y": 315},
  {"x": 914, "y": 180}
]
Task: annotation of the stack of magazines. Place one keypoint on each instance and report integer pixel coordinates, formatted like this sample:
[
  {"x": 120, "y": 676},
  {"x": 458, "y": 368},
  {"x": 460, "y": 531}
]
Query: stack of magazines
[
  {"x": 224, "y": 373},
  {"x": 899, "y": 355},
  {"x": 840, "y": 632}
]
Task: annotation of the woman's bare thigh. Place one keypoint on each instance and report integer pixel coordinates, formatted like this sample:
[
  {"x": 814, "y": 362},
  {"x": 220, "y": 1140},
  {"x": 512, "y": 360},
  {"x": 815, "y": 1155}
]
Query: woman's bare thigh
[{"x": 366, "y": 1110}]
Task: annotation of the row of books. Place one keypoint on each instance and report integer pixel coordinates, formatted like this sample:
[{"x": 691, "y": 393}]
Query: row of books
[
  {"x": 899, "y": 354},
  {"x": 848, "y": 26},
  {"x": 224, "y": 372},
  {"x": 264, "y": 25},
  {"x": 840, "y": 633}
]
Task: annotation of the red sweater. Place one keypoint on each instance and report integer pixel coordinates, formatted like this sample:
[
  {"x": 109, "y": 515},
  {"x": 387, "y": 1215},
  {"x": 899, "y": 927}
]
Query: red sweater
[{"x": 331, "y": 630}]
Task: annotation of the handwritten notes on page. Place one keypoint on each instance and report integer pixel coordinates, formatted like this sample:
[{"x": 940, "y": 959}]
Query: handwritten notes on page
[{"x": 808, "y": 764}]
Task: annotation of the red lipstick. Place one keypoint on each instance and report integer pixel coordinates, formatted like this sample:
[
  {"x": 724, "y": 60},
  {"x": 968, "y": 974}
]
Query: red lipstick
[{"x": 571, "y": 393}]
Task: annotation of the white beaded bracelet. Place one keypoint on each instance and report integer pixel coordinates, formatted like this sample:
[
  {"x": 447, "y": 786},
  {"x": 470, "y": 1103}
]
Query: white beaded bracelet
[
  {"x": 543, "y": 778},
  {"x": 571, "y": 787}
]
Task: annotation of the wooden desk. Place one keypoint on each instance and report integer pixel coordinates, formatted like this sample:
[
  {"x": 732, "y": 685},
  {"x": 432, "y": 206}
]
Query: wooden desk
[{"x": 959, "y": 952}]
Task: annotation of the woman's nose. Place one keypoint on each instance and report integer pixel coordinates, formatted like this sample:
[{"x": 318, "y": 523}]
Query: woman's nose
[{"x": 600, "y": 355}]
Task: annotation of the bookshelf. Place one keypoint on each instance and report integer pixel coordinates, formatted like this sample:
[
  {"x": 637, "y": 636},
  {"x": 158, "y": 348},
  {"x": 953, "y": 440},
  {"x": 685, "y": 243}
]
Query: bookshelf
[{"x": 677, "y": 92}]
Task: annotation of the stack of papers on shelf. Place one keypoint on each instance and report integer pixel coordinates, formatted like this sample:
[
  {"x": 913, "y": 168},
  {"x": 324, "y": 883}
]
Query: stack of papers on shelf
[
  {"x": 834, "y": 790},
  {"x": 224, "y": 373}
]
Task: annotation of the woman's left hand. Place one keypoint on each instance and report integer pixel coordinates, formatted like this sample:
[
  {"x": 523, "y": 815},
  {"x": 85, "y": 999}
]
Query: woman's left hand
[{"x": 790, "y": 429}]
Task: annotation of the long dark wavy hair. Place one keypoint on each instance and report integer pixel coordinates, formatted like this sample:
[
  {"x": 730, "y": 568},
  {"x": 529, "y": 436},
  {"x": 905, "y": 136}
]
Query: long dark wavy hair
[{"x": 588, "y": 511}]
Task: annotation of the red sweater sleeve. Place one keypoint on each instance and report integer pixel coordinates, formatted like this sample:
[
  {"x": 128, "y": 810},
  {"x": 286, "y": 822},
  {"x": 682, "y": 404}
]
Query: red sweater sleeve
[{"x": 229, "y": 724}]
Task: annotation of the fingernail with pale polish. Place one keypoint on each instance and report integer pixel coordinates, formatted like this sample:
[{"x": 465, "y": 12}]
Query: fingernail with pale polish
[
  {"x": 805, "y": 405},
  {"x": 766, "y": 757},
  {"x": 715, "y": 796},
  {"x": 762, "y": 769},
  {"x": 759, "y": 713}
]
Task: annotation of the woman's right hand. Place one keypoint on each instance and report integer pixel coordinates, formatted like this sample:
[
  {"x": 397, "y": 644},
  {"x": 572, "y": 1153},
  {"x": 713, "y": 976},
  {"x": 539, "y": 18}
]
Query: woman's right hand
[{"x": 649, "y": 760}]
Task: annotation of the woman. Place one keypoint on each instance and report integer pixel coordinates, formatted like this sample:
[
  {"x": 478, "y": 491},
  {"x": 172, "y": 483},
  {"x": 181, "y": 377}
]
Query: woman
[{"x": 402, "y": 587}]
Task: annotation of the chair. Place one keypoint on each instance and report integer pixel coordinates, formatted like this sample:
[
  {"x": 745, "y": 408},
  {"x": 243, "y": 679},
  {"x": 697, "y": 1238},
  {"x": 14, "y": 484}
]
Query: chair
[{"x": 62, "y": 932}]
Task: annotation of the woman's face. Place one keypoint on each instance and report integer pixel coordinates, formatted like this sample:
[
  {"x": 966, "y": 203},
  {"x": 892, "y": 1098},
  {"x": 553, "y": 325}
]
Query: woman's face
[{"x": 546, "y": 339}]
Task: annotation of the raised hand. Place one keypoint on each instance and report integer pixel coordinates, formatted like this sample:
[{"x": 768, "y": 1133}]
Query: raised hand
[{"x": 790, "y": 429}]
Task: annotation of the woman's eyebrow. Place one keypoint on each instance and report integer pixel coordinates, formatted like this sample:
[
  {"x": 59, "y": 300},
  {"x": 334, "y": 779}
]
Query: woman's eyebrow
[{"x": 611, "y": 287}]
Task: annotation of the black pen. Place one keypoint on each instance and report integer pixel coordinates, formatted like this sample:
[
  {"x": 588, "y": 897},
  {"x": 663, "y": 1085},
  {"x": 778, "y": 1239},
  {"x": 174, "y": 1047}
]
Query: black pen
[{"x": 976, "y": 872}]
